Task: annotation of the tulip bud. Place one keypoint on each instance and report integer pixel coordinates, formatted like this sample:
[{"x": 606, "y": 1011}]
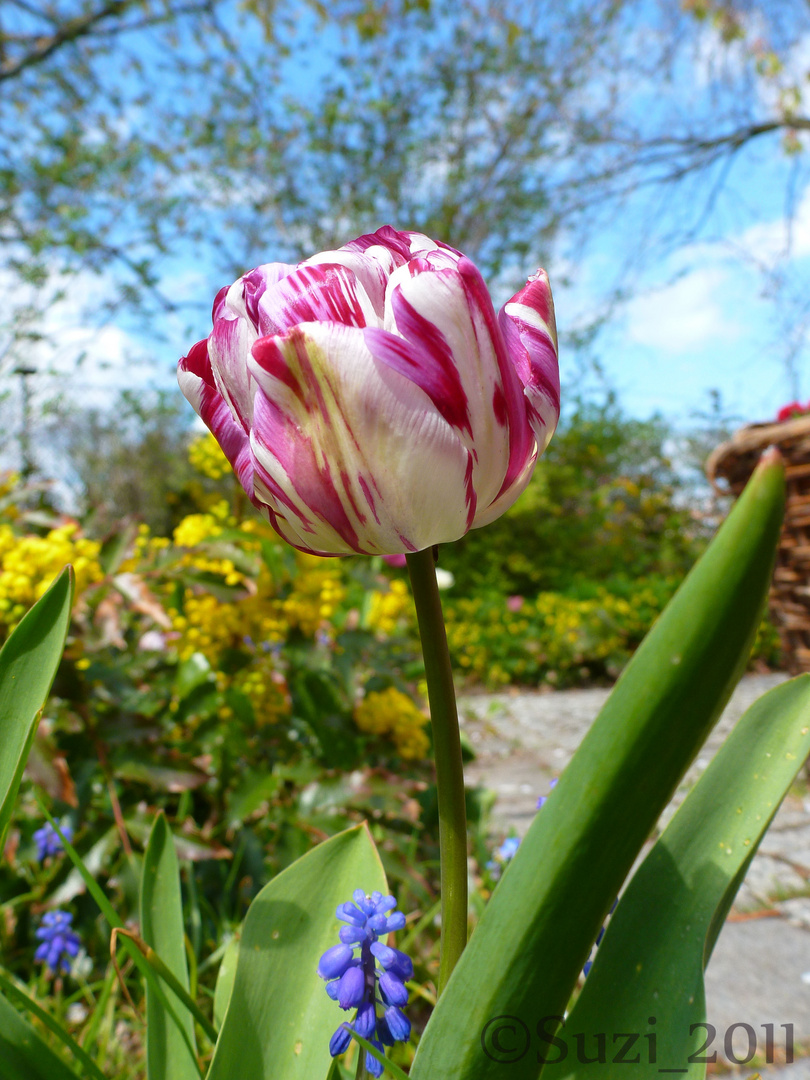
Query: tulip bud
[{"x": 369, "y": 399}]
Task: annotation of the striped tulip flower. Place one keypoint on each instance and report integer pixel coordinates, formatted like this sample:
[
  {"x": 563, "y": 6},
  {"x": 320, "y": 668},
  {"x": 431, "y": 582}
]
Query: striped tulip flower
[{"x": 370, "y": 400}]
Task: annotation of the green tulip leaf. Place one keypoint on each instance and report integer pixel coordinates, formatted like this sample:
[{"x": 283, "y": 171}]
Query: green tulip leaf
[
  {"x": 28, "y": 663},
  {"x": 225, "y": 977},
  {"x": 168, "y": 1054},
  {"x": 526, "y": 953},
  {"x": 24, "y": 1055},
  {"x": 25, "y": 1001},
  {"x": 279, "y": 1019},
  {"x": 651, "y": 961}
]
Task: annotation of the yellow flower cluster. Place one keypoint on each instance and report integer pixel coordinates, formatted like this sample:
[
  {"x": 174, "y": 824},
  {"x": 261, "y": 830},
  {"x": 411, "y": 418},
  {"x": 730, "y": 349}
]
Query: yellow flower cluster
[
  {"x": 392, "y": 713},
  {"x": 316, "y": 594},
  {"x": 267, "y": 691},
  {"x": 28, "y": 565},
  {"x": 387, "y": 609},
  {"x": 205, "y": 455},
  {"x": 195, "y": 528},
  {"x": 553, "y": 633},
  {"x": 9, "y": 482}
]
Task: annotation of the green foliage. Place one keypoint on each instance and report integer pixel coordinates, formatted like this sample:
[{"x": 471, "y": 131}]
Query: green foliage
[
  {"x": 278, "y": 1010},
  {"x": 161, "y": 912},
  {"x": 555, "y": 638},
  {"x": 541, "y": 921},
  {"x": 25, "y": 1054},
  {"x": 604, "y": 503},
  {"x": 690, "y": 879},
  {"x": 28, "y": 663}
]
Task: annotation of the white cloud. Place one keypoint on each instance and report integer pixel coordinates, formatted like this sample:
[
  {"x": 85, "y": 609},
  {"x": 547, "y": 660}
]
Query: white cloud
[
  {"x": 771, "y": 241},
  {"x": 684, "y": 315}
]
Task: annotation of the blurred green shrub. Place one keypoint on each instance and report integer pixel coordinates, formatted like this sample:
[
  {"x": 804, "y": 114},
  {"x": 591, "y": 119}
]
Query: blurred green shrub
[{"x": 604, "y": 502}]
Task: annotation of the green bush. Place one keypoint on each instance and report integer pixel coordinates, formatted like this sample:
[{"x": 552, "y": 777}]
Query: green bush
[{"x": 603, "y": 504}]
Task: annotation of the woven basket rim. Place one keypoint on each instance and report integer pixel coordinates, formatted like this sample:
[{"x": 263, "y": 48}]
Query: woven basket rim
[{"x": 753, "y": 439}]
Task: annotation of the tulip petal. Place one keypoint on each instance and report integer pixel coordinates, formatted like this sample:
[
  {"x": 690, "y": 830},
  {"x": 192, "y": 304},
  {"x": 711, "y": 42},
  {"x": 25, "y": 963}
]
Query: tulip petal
[
  {"x": 528, "y": 325},
  {"x": 446, "y": 316},
  {"x": 322, "y": 292},
  {"x": 196, "y": 379},
  {"x": 350, "y": 455},
  {"x": 230, "y": 342},
  {"x": 371, "y": 267}
]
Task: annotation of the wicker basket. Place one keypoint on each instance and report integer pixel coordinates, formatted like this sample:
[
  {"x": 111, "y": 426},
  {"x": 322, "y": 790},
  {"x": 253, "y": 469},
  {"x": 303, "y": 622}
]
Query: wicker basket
[{"x": 734, "y": 461}]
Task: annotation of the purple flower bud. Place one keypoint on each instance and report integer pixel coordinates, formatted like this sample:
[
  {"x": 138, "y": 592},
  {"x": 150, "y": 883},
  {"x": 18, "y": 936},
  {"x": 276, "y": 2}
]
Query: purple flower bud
[
  {"x": 366, "y": 1020},
  {"x": 398, "y": 1024},
  {"x": 352, "y": 935},
  {"x": 386, "y": 956},
  {"x": 384, "y": 1032},
  {"x": 362, "y": 901},
  {"x": 339, "y": 1043},
  {"x": 403, "y": 968},
  {"x": 374, "y": 1067},
  {"x": 354, "y": 982},
  {"x": 349, "y": 913},
  {"x": 48, "y": 841},
  {"x": 386, "y": 903},
  {"x": 59, "y": 941},
  {"x": 335, "y": 961},
  {"x": 392, "y": 989},
  {"x": 351, "y": 989}
]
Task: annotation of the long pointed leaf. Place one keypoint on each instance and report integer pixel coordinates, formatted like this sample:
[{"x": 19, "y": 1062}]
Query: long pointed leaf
[
  {"x": 109, "y": 913},
  {"x": 28, "y": 663},
  {"x": 24, "y": 1055},
  {"x": 16, "y": 994},
  {"x": 279, "y": 1019},
  {"x": 167, "y": 1052},
  {"x": 526, "y": 953},
  {"x": 652, "y": 959}
]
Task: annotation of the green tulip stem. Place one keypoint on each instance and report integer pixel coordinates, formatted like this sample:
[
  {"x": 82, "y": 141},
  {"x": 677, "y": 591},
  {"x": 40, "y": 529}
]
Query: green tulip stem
[
  {"x": 447, "y": 756},
  {"x": 362, "y": 1071}
]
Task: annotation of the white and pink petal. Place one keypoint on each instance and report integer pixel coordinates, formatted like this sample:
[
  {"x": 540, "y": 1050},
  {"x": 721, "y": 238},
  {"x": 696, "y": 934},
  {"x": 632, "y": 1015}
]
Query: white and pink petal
[
  {"x": 197, "y": 383},
  {"x": 447, "y": 315},
  {"x": 315, "y": 292},
  {"x": 529, "y": 329},
  {"x": 343, "y": 444}
]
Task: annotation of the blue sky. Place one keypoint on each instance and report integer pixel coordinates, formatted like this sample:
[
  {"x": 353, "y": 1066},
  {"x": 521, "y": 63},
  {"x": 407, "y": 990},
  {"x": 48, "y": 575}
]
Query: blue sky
[{"x": 697, "y": 320}]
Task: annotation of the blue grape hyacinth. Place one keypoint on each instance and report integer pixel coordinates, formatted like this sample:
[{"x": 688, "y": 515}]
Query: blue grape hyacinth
[
  {"x": 48, "y": 842},
  {"x": 373, "y": 980},
  {"x": 59, "y": 941}
]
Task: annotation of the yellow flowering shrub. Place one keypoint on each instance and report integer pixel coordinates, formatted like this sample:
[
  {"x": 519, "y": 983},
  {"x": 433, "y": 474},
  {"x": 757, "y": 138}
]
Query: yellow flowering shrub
[
  {"x": 195, "y": 528},
  {"x": 205, "y": 455},
  {"x": 317, "y": 591},
  {"x": 29, "y": 563},
  {"x": 266, "y": 689},
  {"x": 553, "y": 636},
  {"x": 391, "y": 713},
  {"x": 386, "y": 610}
]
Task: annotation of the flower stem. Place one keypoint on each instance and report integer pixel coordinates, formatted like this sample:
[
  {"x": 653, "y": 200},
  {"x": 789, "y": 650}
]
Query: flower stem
[{"x": 447, "y": 755}]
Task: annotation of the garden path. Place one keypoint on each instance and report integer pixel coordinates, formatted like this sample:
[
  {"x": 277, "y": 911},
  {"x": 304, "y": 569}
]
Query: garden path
[{"x": 760, "y": 970}]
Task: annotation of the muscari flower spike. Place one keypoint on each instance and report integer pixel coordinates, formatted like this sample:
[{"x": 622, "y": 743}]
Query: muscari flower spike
[
  {"x": 59, "y": 941},
  {"x": 374, "y": 979},
  {"x": 48, "y": 841}
]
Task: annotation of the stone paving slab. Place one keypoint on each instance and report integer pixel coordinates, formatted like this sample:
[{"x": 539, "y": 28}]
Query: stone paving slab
[
  {"x": 800, "y": 1070},
  {"x": 760, "y": 970},
  {"x": 760, "y": 974}
]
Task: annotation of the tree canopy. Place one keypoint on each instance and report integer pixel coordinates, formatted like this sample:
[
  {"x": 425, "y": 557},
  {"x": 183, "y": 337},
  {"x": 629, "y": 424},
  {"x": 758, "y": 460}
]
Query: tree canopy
[{"x": 141, "y": 137}]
